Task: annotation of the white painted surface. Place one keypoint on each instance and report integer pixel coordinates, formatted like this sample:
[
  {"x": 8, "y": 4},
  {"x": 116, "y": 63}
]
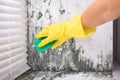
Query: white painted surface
[{"x": 94, "y": 52}]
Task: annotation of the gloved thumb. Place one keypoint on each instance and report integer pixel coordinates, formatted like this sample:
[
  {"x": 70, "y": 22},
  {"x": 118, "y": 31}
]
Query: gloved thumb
[{"x": 45, "y": 41}]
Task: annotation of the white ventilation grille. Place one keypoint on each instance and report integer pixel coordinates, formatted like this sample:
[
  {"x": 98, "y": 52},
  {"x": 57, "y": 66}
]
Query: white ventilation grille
[{"x": 12, "y": 39}]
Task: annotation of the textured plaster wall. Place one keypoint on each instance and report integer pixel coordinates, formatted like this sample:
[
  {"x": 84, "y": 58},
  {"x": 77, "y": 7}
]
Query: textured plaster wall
[{"x": 91, "y": 54}]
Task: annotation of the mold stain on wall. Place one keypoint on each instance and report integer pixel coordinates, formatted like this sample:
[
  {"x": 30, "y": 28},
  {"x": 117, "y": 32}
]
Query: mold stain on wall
[{"x": 76, "y": 54}]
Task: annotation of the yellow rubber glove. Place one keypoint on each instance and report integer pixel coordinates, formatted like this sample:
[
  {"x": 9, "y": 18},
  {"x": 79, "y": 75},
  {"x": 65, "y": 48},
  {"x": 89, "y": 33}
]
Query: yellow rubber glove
[{"x": 63, "y": 31}]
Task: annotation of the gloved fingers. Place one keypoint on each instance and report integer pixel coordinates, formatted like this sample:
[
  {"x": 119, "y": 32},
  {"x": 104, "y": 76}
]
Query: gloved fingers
[
  {"x": 56, "y": 44},
  {"x": 43, "y": 33},
  {"x": 45, "y": 41}
]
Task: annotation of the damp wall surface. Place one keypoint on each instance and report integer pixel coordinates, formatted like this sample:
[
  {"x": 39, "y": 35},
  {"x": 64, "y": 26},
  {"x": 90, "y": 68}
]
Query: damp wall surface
[{"x": 90, "y": 54}]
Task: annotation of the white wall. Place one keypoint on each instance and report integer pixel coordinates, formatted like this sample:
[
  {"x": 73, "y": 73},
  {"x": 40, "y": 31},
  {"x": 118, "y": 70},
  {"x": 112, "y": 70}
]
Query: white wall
[{"x": 93, "y": 54}]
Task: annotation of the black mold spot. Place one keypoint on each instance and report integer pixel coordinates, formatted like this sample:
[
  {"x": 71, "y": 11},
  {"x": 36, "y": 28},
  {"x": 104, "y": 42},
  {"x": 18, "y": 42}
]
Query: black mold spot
[
  {"x": 44, "y": 0},
  {"x": 82, "y": 51},
  {"x": 32, "y": 15},
  {"x": 39, "y": 15},
  {"x": 49, "y": 2},
  {"x": 62, "y": 11}
]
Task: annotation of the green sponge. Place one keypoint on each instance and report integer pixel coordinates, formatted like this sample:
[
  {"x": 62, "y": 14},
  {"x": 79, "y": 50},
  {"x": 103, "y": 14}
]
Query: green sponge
[{"x": 43, "y": 48}]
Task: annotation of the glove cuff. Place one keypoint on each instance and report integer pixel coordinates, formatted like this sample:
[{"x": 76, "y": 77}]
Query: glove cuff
[{"x": 75, "y": 28}]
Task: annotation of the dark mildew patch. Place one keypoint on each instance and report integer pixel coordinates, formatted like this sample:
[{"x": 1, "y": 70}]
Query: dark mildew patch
[
  {"x": 62, "y": 11},
  {"x": 39, "y": 15},
  {"x": 44, "y": 0}
]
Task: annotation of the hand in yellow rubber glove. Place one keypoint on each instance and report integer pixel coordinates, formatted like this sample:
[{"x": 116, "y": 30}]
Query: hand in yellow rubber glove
[{"x": 63, "y": 31}]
